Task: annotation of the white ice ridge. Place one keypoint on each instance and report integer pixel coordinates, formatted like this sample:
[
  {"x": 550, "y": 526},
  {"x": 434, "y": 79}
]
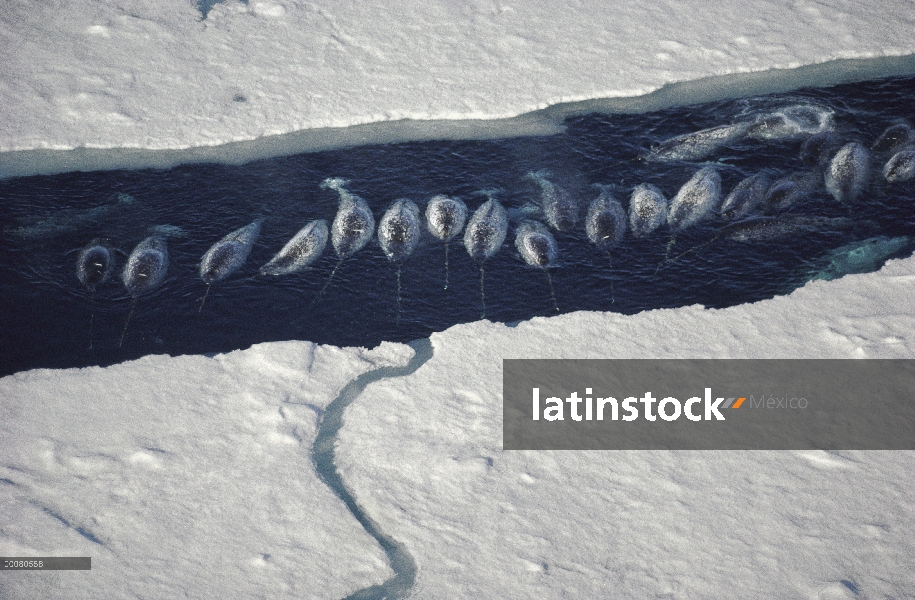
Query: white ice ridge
[
  {"x": 423, "y": 456},
  {"x": 186, "y": 476},
  {"x": 154, "y": 75}
]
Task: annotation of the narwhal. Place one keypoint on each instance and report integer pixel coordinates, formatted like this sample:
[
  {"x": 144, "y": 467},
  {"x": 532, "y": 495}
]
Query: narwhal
[
  {"x": 352, "y": 227},
  {"x": 398, "y": 235},
  {"x": 698, "y": 144},
  {"x": 303, "y": 249},
  {"x": 145, "y": 271},
  {"x": 484, "y": 235},
  {"x": 901, "y": 167},
  {"x": 445, "y": 218},
  {"x": 895, "y": 138},
  {"x": 605, "y": 224},
  {"x": 786, "y": 191},
  {"x": 227, "y": 255},
  {"x": 537, "y": 247},
  {"x": 746, "y": 197},
  {"x": 697, "y": 200},
  {"x": 560, "y": 208},
  {"x": 848, "y": 172},
  {"x": 792, "y": 122},
  {"x": 93, "y": 268},
  {"x": 647, "y": 209}
]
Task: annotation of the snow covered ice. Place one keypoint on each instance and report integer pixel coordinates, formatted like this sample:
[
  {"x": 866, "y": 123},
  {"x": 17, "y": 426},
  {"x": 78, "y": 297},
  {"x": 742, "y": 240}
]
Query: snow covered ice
[{"x": 193, "y": 475}]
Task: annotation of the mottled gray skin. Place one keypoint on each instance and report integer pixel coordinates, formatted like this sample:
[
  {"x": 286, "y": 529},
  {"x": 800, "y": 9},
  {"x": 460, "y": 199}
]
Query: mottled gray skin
[
  {"x": 536, "y": 244},
  {"x": 398, "y": 230},
  {"x": 302, "y": 250},
  {"x": 445, "y": 217},
  {"x": 228, "y": 254},
  {"x": 559, "y": 207},
  {"x": 146, "y": 266},
  {"x": 605, "y": 222},
  {"x": 699, "y": 144},
  {"x": 746, "y": 197},
  {"x": 849, "y": 172},
  {"x": 901, "y": 167},
  {"x": 894, "y": 139},
  {"x": 771, "y": 229},
  {"x": 486, "y": 230},
  {"x": 647, "y": 209},
  {"x": 697, "y": 199},
  {"x": 785, "y": 192},
  {"x": 792, "y": 122},
  {"x": 354, "y": 224},
  {"x": 819, "y": 148},
  {"x": 94, "y": 264}
]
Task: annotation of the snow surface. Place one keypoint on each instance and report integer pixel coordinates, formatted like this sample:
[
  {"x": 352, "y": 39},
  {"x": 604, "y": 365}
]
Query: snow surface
[
  {"x": 191, "y": 476},
  {"x": 182, "y": 476}
]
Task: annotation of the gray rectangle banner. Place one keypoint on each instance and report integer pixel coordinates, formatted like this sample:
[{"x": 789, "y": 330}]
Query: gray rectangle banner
[
  {"x": 45, "y": 563},
  {"x": 708, "y": 404}
]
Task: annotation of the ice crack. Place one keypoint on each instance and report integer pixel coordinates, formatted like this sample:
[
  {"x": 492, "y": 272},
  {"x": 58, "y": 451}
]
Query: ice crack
[{"x": 323, "y": 453}]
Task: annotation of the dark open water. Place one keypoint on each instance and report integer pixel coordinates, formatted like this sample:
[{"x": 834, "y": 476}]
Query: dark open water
[{"x": 45, "y": 313}]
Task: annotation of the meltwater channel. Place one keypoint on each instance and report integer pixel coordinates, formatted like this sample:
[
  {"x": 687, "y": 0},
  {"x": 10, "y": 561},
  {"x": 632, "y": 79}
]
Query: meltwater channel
[{"x": 49, "y": 319}]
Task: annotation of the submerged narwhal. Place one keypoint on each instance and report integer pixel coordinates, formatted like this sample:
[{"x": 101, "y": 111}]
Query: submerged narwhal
[
  {"x": 445, "y": 218},
  {"x": 484, "y": 235},
  {"x": 398, "y": 235},
  {"x": 537, "y": 247},
  {"x": 93, "y": 268},
  {"x": 352, "y": 227},
  {"x": 145, "y": 270},
  {"x": 304, "y": 248},
  {"x": 746, "y": 197},
  {"x": 560, "y": 208},
  {"x": 227, "y": 255}
]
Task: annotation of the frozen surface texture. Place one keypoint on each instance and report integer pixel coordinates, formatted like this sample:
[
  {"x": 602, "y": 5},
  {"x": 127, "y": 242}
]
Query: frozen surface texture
[
  {"x": 497, "y": 524},
  {"x": 182, "y": 477},
  {"x": 154, "y": 74}
]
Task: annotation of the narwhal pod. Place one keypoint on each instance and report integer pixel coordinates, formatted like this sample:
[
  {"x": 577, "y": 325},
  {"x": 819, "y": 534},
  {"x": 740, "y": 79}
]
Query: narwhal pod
[
  {"x": 146, "y": 266},
  {"x": 94, "y": 264},
  {"x": 536, "y": 244},
  {"x": 228, "y": 254},
  {"x": 486, "y": 230},
  {"x": 398, "y": 230},
  {"x": 697, "y": 199},
  {"x": 647, "y": 209},
  {"x": 849, "y": 172},
  {"x": 302, "y": 250},
  {"x": 354, "y": 224},
  {"x": 605, "y": 222},
  {"x": 445, "y": 217},
  {"x": 560, "y": 208}
]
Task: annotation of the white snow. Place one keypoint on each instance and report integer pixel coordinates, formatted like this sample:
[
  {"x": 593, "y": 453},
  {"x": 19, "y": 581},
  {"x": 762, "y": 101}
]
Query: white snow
[
  {"x": 188, "y": 476},
  {"x": 151, "y": 75},
  {"x": 192, "y": 476}
]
